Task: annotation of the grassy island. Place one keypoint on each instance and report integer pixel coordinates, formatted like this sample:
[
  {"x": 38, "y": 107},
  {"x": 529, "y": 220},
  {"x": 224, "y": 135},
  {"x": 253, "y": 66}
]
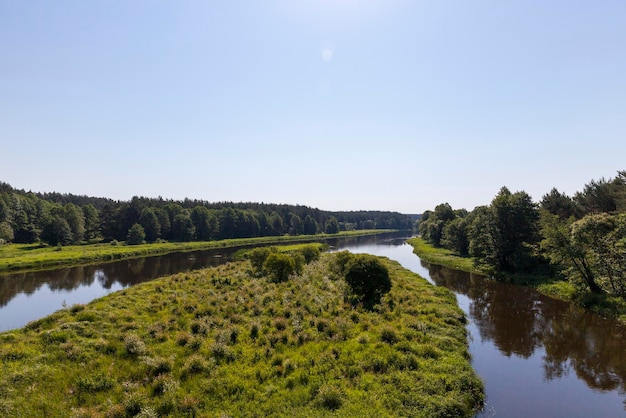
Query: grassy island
[
  {"x": 24, "y": 257},
  {"x": 228, "y": 341}
]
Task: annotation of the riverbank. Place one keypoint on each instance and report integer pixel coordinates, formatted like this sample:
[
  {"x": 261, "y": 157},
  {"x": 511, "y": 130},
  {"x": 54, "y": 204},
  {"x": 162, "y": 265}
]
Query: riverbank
[
  {"x": 605, "y": 305},
  {"x": 29, "y": 257},
  {"x": 218, "y": 341}
]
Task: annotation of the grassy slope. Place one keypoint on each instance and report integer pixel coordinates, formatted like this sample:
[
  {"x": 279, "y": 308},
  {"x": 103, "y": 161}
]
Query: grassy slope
[
  {"x": 21, "y": 257},
  {"x": 605, "y": 305},
  {"x": 442, "y": 256},
  {"x": 217, "y": 341}
]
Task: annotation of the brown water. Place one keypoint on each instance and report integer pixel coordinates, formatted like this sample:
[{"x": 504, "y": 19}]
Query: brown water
[{"x": 538, "y": 357}]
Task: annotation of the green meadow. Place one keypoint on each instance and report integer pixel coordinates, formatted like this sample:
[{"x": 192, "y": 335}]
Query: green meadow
[{"x": 234, "y": 341}]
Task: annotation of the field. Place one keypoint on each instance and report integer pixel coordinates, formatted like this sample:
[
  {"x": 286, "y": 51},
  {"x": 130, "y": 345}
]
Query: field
[{"x": 225, "y": 341}]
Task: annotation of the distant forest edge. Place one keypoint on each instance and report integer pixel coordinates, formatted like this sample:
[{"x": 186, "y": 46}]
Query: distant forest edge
[
  {"x": 63, "y": 219},
  {"x": 580, "y": 238}
]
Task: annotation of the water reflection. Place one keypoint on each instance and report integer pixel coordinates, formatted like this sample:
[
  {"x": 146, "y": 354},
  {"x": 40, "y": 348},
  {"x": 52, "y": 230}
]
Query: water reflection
[
  {"x": 28, "y": 296},
  {"x": 523, "y": 323},
  {"x": 41, "y": 287}
]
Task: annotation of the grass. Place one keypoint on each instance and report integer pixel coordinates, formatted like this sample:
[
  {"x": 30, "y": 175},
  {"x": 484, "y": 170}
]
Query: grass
[
  {"x": 606, "y": 305},
  {"x": 443, "y": 257},
  {"x": 220, "y": 342},
  {"x": 25, "y": 257}
]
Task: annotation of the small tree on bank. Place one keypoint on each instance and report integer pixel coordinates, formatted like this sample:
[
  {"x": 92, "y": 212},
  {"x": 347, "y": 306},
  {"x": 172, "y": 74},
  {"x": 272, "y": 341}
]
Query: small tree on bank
[
  {"x": 368, "y": 279},
  {"x": 136, "y": 235}
]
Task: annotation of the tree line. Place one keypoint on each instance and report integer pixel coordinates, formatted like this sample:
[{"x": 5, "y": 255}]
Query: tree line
[
  {"x": 582, "y": 237},
  {"x": 61, "y": 219}
]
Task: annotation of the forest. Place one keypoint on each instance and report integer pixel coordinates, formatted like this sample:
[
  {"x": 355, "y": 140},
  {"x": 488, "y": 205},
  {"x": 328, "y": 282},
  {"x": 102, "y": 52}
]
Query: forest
[
  {"x": 581, "y": 238},
  {"x": 63, "y": 219}
]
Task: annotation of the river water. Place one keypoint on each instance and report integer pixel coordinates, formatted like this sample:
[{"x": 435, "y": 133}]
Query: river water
[{"x": 538, "y": 357}]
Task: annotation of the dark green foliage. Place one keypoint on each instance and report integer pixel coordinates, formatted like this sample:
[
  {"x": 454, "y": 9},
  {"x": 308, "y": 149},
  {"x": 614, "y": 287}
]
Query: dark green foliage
[
  {"x": 455, "y": 236},
  {"x": 432, "y": 224},
  {"x": 591, "y": 251},
  {"x": 136, "y": 235},
  {"x": 559, "y": 204},
  {"x": 310, "y": 253},
  {"x": 330, "y": 397},
  {"x": 368, "y": 279},
  {"x": 150, "y": 223},
  {"x": 57, "y": 232},
  {"x": 92, "y": 222},
  {"x": 502, "y": 234},
  {"x": 257, "y": 258},
  {"x": 310, "y": 225},
  {"x": 93, "y": 219},
  {"x": 205, "y": 223},
  {"x": 279, "y": 266},
  {"x": 76, "y": 220},
  {"x": 603, "y": 195},
  {"x": 297, "y": 226},
  {"x": 182, "y": 227},
  {"x": 6, "y": 232},
  {"x": 332, "y": 225}
]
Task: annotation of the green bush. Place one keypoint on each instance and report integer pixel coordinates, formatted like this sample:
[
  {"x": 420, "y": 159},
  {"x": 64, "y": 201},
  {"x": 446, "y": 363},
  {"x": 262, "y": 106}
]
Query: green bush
[
  {"x": 310, "y": 253},
  {"x": 279, "y": 267},
  {"x": 136, "y": 235},
  {"x": 368, "y": 279},
  {"x": 258, "y": 257}
]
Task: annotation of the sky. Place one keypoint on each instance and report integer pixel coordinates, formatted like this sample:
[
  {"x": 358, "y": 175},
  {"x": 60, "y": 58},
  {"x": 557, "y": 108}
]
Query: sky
[{"x": 335, "y": 104}]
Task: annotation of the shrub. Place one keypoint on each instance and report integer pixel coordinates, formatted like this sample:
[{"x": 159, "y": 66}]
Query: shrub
[
  {"x": 258, "y": 257},
  {"x": 368, "y": 279},
  {"x": 279, "y": 267},
  {"x": 136, "y": 235},
  {"x": 134, "y": 345},
  {"x": 330, "y": 397},
  {"x": 95, "y": 383},
  {"x": 310, "y": 253},
  {"x": 388, "y": 335}
]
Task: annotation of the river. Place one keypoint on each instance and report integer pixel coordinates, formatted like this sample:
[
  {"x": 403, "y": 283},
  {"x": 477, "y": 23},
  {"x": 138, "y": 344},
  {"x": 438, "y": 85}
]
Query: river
[{"x": 538, "y": 357}]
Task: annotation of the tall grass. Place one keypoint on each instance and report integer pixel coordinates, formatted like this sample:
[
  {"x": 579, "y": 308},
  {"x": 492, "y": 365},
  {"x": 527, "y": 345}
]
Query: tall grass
[
  {"x": 219, "y": 341},
  {"x": 443, "y": 257}
]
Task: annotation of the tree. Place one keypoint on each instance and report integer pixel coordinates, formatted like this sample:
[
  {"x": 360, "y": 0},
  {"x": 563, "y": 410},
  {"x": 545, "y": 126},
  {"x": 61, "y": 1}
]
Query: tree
[
  {"x": 310, "y": 225},
  {"x": 455, "y": 236},
  {"x": 205, "y": 223},
  {"x": 332, "y": 225},
  {"x": 368, "y": 279},
  {"x": 6, "y": 232},
  {"x": 603, "y": 238},
  {"x": 182, "y": 227},
  {"x": 109, "y": 224},
  {"x": 277, "y": 225},
  {"x": 228, "y": 223},
  {"x": 76, "y": 220},
  {"x": 432, "y": 224},
  {"x": 297, "y": 226},
  {"x": 92, "y": 222},
  {"x": 164, "y": 222},
  {"x": 136, "y": 235},
  {"x": 559, "y": 247},
  {"x": 601, "y": 195},
  {"x": 150, "y": 224},
  {"x": 57, "y": 232},
  {"x": 503, "y": 234},
  {"x": 559, "y": 204}
]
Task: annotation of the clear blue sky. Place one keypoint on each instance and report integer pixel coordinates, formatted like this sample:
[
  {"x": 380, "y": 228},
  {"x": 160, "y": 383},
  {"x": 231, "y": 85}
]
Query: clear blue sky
[{"x": 335, "y": 104}]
